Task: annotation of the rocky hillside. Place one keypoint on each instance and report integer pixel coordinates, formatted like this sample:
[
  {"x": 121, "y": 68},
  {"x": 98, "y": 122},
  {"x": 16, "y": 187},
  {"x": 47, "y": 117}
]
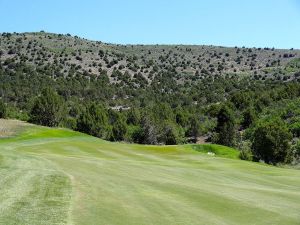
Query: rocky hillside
[{"x": 65, "y": 55}]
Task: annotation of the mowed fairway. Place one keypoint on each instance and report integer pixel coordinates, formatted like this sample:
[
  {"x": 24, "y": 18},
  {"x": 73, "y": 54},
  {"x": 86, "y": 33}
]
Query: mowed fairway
[{"x": 57, "y": 176}]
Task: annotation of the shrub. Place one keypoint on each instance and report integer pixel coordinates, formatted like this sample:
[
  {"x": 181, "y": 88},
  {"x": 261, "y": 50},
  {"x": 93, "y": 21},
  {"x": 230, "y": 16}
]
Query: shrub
[
  {"x": 93, "y": 121},
  {"x": 147, "y": 134},
  {"x": 246, "y": 154},
  {"x": 245, "y": 151},
  {"x": 271, "y": 142},
  {"x": 119, "y": 130},
  {"x": 225, "y": 127},
  {"x": 48, "y": 109},
  {"x": 170, "y": 135},
  {"x": 295, "y": 151}
]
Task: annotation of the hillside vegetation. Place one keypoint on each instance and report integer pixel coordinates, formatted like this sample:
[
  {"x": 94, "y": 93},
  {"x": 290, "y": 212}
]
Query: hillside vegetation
[
  {"x": 156, "y": 94},
  {"x": 66, "y": 55},
  {"x": 57, "y": 176}
]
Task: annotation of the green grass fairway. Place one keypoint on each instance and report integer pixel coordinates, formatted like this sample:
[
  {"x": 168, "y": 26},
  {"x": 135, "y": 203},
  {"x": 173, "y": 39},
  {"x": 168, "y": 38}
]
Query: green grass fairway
[{"x": 57, "y": 176}]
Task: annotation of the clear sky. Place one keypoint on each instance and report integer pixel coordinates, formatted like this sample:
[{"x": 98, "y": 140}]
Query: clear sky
[{"x": 250, "y": 23}]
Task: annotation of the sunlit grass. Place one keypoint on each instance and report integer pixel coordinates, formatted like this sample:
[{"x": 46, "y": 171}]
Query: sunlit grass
[{"x": 57, "y": 176}]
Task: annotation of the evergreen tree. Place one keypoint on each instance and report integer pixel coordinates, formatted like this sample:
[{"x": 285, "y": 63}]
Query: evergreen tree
[
  {"x": 170, "y": 135},
  {"x": 93, "y": 121},
  {"x": 225, "y": 127},
  {"x": 271, "y": 142},
  {"x": 48, "y": 109},
  {"x": 119, "y": 130}
]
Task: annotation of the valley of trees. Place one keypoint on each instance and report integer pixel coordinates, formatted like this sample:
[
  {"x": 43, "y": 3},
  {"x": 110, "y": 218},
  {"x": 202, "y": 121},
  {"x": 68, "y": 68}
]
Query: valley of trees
[{"x": 259, "y": 115}]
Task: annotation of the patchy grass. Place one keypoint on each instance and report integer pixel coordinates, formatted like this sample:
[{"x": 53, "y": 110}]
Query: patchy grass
[{"x": 56, "y": 176}]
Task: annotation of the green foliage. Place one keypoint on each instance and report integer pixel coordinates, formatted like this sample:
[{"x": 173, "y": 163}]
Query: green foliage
[
  {"x": 241, "y": 100},
  {"x": 48, "y": 109},
  {"x": 194, "y": 128},
  {"x": 14, "y": 112},
  {"x": 171, "y": 135},
  {"x": 296, "y": 149},
  {"x": 182, "y": 117},
  {"x": 119, "y": 130},
  {"x": 70, "y": 123},
  {"x": 246, "y": 155},
  {"x": 162, "y": 112},
  {"x": 148, "y": 132},
  {"x": 249, "y": 117},
  {"x": 295, "y": 128},
  {"x": 2, "y": 109},
  {"x": 173, "y": 93},
  {"x": 133, "y": 117},
  {"x": 132, "y": 130},
  {"x": 245, "y": 151},
  {"x": 270, "y": 141},
  {"x": 226, "y": 128},
  {"x": 293, "y": 65},
  {"x": 93, "y": 121}
]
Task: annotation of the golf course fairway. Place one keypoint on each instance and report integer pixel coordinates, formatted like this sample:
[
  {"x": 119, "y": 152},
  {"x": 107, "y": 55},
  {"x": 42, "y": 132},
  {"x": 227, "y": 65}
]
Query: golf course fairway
[{"x": 57, "y": 176}]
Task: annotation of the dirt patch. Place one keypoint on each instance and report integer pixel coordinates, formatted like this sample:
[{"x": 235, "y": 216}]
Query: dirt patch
[
  {"x": 202, "y": 140},
  {"x": 9, "y": 128}
]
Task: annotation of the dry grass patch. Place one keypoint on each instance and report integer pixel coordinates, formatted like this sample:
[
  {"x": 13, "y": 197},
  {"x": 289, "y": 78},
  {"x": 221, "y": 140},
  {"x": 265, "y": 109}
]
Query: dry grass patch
[{"x": 9, "y": 128}]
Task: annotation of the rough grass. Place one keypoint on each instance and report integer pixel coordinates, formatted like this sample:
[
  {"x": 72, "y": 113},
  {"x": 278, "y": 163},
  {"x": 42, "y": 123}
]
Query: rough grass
[
  {"x": 218, "y": 150},
  {"x": 56, "y": 176}
]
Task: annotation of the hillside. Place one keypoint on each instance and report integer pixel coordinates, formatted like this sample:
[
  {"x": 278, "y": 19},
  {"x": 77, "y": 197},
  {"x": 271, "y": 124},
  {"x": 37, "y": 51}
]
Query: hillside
[
  {"x": 157, "y": 95},
  {"x": 67, "y": 55},
  {"x": 57, "y": 176}
]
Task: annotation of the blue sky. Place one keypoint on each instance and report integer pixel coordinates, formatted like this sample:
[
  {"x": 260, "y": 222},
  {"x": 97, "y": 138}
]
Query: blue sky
[{"x": 259, "y": 23}]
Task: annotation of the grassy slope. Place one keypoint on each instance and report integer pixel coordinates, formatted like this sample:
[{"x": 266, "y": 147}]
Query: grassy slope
[{"x": 52, "y": 176}]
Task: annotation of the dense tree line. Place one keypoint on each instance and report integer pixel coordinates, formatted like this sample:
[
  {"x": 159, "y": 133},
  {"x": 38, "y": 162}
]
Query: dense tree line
[{"x": 260, "y": 118}]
